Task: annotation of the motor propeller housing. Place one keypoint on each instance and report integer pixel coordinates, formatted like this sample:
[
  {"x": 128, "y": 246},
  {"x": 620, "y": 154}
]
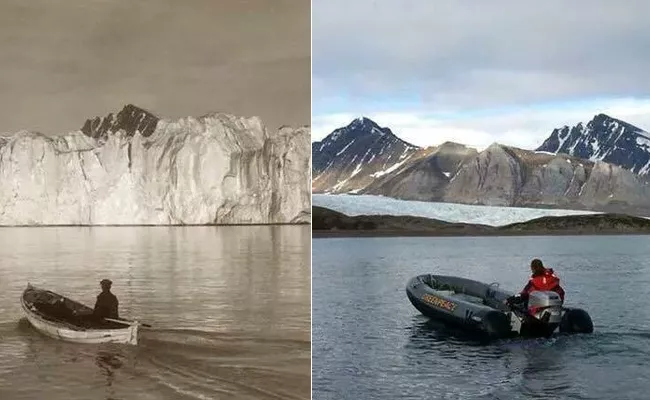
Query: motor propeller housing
[{"x": 545, "y": 306}]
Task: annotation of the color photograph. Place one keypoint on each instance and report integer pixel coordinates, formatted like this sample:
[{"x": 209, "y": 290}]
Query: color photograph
[
  {"x": 155, "y": 205},
  {"x": 481, "y": 200}
]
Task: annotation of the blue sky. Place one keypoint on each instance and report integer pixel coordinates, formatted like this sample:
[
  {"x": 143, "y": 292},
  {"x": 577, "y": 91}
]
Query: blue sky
[{"x": 478, "y": 72}]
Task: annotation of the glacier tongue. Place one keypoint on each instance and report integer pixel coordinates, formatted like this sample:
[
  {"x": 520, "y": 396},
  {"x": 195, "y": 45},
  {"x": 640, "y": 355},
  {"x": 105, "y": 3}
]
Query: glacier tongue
[{"x": 214, "y": 169}]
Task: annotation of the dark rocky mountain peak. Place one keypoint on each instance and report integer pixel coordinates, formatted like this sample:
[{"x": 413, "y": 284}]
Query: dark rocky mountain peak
[
  {"x": 361, "y": 150},
  {"x": 603, "y": 139},
  {"x": 130, "y": 119},
  {"x": 361, "y": 126},
  {"x": 362, "y": 140}
]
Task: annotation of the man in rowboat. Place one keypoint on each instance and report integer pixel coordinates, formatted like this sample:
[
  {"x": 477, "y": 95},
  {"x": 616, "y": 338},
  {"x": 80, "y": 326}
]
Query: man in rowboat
[{"x": 107, "y": 304}]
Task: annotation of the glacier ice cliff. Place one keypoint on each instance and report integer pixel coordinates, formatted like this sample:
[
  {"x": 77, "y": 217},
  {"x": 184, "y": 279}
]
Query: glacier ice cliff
[{"x": 134, "y": 168}]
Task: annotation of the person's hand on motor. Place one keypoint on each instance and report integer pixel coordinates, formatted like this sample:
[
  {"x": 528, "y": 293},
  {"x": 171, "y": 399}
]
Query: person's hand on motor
[{"x": 513, "y": 300}]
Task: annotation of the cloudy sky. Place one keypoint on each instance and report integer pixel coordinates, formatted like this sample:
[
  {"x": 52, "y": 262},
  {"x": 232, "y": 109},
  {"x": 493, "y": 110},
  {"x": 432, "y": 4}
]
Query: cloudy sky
[
  {"x": 62, "y": 61},
  {"x": 478, "y": 72}
]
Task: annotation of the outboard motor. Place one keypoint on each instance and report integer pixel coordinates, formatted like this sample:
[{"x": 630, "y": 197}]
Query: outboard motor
[{"x": 545, "y": 306}]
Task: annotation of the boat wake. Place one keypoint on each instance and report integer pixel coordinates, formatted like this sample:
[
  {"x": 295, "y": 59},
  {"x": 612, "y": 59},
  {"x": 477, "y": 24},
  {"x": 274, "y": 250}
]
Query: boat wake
[
  {"x": 427, "y": 332},
  {"x": 182, "y": 363},
  {"x": 207, "y": 365},
  {"x": 535, "y": 367}
]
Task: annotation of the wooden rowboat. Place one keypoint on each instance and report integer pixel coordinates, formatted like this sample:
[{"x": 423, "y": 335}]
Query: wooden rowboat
[{"x": 59, "y": 317}]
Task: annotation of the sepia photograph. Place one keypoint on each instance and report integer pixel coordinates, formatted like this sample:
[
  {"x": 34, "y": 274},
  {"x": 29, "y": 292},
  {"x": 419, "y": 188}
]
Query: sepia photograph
[
  {"x": 481, "y": 200},
  {"x": 155, "y": 200}
]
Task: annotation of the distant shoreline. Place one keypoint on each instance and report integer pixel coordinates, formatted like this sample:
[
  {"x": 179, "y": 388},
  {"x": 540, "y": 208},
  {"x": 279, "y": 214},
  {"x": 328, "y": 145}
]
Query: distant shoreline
[
  {"x": 327, "y": 223},
  {"x": 333, "y": 234}
]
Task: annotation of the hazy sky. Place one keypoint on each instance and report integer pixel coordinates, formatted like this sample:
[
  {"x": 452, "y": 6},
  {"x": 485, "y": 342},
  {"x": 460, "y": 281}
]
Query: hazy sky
[
  {"x": 479, "y": 71},
  {"x": 62, "y": 61}
]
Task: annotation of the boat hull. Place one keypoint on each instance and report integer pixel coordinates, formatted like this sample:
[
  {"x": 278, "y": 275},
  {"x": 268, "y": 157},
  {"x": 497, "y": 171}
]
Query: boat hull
[
  {"x": 481, "y": 318},
  {"x": 481, "y": 309},
  {"x": 127, "y": 334}
]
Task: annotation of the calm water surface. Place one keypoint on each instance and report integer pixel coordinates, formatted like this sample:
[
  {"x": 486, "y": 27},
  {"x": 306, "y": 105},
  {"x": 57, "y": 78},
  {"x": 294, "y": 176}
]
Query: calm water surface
[
  {"x": 229, "y": 306},
  {"x": 370, "y": 343}
]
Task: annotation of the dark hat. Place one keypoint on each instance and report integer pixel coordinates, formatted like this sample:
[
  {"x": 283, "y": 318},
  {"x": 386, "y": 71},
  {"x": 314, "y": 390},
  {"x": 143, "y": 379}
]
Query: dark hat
[{"x": 106, "y": 282}]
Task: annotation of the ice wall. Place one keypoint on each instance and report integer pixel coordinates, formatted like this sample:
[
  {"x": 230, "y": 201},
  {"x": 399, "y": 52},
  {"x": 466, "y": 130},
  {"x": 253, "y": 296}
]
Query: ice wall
[{"x": 132, "y": 169}]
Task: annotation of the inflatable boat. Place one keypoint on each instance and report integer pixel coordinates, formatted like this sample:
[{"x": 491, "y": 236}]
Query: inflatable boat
[{"x": 483, "y": 308}]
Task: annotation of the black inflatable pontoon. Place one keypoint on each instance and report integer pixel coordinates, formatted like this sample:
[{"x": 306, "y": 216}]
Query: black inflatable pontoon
[{"x": 481, "y": 308}]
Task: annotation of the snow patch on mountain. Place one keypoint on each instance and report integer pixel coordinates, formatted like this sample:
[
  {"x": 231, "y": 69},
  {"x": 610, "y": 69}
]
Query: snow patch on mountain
[
  {"x": 643, "y": 141},
  {"x": 345, "y": 148},
  {"x": 394, "y": 167}
]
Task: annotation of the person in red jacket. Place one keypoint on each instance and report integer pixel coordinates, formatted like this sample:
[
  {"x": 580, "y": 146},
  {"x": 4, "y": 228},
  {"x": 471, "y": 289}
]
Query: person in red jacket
[{"x": 541, "y": 279}]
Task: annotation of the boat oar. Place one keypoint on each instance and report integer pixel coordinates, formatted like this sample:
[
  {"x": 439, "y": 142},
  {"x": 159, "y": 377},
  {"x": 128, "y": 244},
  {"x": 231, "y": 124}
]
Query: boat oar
[{"x": 120, "y": 320}]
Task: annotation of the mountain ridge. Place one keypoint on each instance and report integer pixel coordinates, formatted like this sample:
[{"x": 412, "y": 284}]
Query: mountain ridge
[
  {"x": 130, "y": 119},
  {"x": 604, "y": 139},
  {"x": 361, "y": 151},
  {"x": 502, "y": 175}
]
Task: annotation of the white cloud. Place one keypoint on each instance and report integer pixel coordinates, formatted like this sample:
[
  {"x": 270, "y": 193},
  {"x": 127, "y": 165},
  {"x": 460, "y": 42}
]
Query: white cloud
[
  {"x": 525, "y": 127},
  {"x": 463, "y": 55}
]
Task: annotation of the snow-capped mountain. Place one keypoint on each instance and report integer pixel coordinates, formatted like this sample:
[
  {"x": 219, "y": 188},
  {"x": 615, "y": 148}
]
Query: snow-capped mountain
[
  {"x": 604, "y": 139},
  {"x": 355, "y": 155},
  {"x": 135, "y": 168},
  {"x": 497, "y": 176}
]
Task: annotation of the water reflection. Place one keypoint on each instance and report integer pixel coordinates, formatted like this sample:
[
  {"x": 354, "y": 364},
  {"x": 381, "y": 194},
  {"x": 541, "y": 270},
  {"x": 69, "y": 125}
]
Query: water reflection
[
  {"x": 427, "y": 332},
  {"x": 108, "y": 362},
  {"x": 534, "y": 367}
]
